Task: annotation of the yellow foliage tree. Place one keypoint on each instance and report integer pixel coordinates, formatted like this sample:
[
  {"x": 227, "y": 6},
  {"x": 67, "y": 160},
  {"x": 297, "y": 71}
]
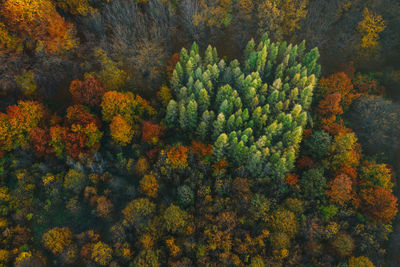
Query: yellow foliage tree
[
  {"x": 121, "y": 131},
  {"x": 57, "y": 239},
  {"x": 173, "y": 248},
  {"x": 101, "y": 253},
  {"x": 280, "y": 18},
  {"x": 360, "y": 262},
  {"x": 370, "y": 27},
  {"x": 75, "y": 7},
  {"x": 110, "y": 74},
  {"x": 27, "y": 83}
]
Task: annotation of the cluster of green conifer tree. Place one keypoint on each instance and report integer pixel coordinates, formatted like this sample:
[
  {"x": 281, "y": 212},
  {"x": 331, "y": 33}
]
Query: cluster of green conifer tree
[{"x": 254, "y": 114}]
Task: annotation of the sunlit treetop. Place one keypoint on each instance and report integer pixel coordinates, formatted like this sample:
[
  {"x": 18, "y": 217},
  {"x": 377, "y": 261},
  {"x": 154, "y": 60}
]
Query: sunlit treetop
[{"x": 39, "y": 21}]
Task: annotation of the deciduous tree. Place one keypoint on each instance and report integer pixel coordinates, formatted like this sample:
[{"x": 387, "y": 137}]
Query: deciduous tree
[{"x": 339, "y": 189}]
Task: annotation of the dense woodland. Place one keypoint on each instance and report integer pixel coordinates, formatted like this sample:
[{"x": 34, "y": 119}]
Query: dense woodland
[{"x": 199, "y": 133}]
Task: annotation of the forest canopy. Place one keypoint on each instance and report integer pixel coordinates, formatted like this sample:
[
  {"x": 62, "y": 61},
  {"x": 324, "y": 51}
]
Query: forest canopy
[{"x": 199, "y": 133}]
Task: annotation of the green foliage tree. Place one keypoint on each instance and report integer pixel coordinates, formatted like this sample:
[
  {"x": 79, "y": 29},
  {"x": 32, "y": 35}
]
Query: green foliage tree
[
  {"x": 313, "y": 183},
  {"x": 317, "y": 144},
  {"x": 261, "y": 106}
]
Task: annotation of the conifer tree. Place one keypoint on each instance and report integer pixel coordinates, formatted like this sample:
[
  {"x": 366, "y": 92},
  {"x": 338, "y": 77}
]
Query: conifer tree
[{"x": 233, "y": 106}]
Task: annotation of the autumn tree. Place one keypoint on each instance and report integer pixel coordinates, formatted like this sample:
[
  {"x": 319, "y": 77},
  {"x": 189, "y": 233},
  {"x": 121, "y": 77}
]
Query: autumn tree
[
  {"x": 377, "y": 175},
  {"x": 330, "y": 106},
  {"x": 284, "y": 221},
  {"x": 40, "y": 142},
  {"x": 88, "y": 92},
  {"x": 379, "y": 203},
  {"x": 175, "y": 219},
  {"x": 101, "y": 253},
  {"x": 344, "y": 151},
  {"x": 281, "y": 18},
  {"x": 177, "y": 157},
  {"x": 18, "y": 122},
  {"x": 110, "y": 74},
  {"x": 138, "y": 211},
  {"x": 76, "y": 7},
  {"x": 39, "y": 21},
  {"x": 339, "y": 189},
  {"x": 151, "y": 132},
  {"x": 369, "y": 27},
  {"x": 26, "y": 83},
  {"x": 121, "y": 131},
  {"x": 104, "y": 206},
  {"x": 75, "y": 181},
  {"x": 361, "y": 261},
  {"x": 146, "y": 258},
  {"x": 343, "y": 245},
  {"x": 57, "y": 239},
  {"x": 337, "y": 83},
  {"x": 165, "y": 95},
  {"x": 148, "y": 185}
]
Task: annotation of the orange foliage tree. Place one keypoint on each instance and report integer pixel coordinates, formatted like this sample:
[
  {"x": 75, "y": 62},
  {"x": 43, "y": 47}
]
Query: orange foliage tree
[
  {"x": 17, "y": 123},
  {"x": 379, "y": 203},
  {"x": 104, "y": 206},
  {"x": 340, "y": 189},
  {"x": 338, "y": 83},
  {"x": 88, "y": 92},
  {"x": 39, "y": 20},
  {"x": 330, "y": 105},
  {"x": 123, "y": 110},
  {"x": 57, "y": 239},
  {"x": 149, "y": 186},
  {"x": 177, "y": 157},
  {"x": 328, "y": 109}
]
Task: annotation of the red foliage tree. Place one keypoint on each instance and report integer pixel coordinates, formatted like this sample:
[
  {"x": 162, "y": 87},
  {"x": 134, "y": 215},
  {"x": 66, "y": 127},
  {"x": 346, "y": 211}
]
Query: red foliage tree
[
  {"x": 201, "y": 149},
  {"x": 291, "y": 179},
  {"x": 366, "y": 84},
  {"x": 304, "y": 162},
  {"x": 75, "y": 144},
  {"x": 40, "y": 142},
  {"x": 151, "y": 132},
  {"x": 88, "y": 92}
]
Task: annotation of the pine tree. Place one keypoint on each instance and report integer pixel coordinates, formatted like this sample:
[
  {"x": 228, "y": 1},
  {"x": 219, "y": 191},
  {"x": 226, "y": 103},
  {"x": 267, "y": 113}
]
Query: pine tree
[
  {"x": 219, "y": 147},
  {"x": 261, "y": 104}
]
